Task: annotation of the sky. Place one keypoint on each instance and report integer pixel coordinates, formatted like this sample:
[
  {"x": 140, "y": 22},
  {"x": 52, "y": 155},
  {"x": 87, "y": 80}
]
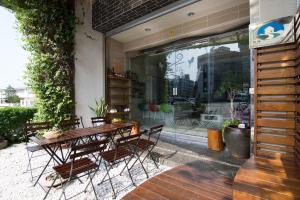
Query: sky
[{"x": 13, "y": 57}]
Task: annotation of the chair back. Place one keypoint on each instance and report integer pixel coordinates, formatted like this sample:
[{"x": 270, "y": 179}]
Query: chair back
[
  {"x": 155, "y": 132},
  {"x": 69, "y": 124},
  {"x": 31, "y": 128},
  {"x": 125, "y": 131},
  {"x": 127, "y": 139},
  {"x": 80, "y": 150},
  {"x": 98, "y": 121}
]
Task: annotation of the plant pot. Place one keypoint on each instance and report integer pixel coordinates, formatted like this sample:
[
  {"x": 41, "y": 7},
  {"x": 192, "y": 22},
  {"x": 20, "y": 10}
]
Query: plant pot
[
  {"x": 3, "y": 144},
  {"x": 238, "y": 141},
  {"x": 214, "y": 139}
]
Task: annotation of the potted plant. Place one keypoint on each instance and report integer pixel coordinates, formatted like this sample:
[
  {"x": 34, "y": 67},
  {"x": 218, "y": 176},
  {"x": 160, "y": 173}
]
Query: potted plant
[
  {"x": 237, "y": 139},
  {"x": 100, "y": 109},
  {"x": 3, "y": 142}
]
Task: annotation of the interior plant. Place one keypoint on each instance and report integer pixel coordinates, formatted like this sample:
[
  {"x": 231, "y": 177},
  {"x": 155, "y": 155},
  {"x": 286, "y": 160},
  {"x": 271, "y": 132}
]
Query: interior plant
[{"x": 100, "y": 109}]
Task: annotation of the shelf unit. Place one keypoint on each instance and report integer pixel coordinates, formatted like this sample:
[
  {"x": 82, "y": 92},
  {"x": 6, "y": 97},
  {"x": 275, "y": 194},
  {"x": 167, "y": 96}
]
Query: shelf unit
[{"x": 118, "y": 96}]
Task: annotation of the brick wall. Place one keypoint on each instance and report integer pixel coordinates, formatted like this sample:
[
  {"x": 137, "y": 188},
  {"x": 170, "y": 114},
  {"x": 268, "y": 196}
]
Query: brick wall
[{"x": 110, "y": 14}]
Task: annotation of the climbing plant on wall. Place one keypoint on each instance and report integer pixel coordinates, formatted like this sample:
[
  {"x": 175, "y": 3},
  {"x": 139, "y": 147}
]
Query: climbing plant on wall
[{"x": 48, "y": 28}]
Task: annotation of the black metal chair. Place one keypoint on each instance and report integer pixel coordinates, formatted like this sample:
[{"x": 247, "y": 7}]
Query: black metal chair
[
  {"x": 30, "y": 130},
  {"x": 119, "y": 154},
  {"x": 79, "y": 166},
  {"x": 72, "y": 123},
  {"x": 147, "y": 145}
]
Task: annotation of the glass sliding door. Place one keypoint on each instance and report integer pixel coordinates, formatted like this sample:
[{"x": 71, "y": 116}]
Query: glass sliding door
[{"x": 186, "y": 88}]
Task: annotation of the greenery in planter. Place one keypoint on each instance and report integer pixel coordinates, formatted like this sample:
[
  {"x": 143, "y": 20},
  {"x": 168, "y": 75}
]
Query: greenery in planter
[
  {"x": 231, "y": 85},
  {"x": 101, "y": 108},
  {"x": 48, "y": 33},
  {"x": 230, "y": 122},
  {"x": 12, "y": 120}
]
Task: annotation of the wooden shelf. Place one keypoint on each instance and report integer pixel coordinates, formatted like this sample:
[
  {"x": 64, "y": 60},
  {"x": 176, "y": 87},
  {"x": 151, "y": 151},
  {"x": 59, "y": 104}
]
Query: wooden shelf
[
  {"x": 119, "y": 104},
  {"x": 117, "y": 78},
  {"x": 119, "y": 113},
  {"x": 119, "y": 86},
  {"x": 118, "y": 93}
]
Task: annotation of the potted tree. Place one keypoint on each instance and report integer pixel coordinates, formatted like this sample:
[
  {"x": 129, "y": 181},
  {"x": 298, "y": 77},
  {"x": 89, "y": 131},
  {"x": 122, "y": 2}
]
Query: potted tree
[
  {"x": 100, "y": 110},
  {"x": 237, "y": 139}
]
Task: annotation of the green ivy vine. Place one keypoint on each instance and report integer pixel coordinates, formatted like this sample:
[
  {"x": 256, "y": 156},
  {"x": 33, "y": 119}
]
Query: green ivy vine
[{"x": 48, "y": 28}]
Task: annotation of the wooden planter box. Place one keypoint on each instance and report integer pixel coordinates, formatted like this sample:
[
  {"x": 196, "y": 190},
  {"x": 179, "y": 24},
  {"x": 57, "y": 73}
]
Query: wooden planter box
[{"x": 215, "y": 141}]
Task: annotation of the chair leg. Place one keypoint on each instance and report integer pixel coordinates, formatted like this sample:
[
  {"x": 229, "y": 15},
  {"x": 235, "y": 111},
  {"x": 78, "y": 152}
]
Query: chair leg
[
  {"x": 50, "y": 187},
  {"x": 149, "y": 155},
  {"x": 111, "y": 184},
  {"x": 64, "y": 187},
  {"x": 91, "y": 181},
  {"x": 29, "y": 164},
  {"x": 37, "y": 180},
  {"x": 92, "y": 178},
  {"x": 143, "y": 166},
  {"x": 126, "y": 165}
]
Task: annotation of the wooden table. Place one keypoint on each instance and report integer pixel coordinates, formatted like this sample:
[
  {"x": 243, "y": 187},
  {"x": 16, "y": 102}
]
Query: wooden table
[{"x": 54, "y": 146}]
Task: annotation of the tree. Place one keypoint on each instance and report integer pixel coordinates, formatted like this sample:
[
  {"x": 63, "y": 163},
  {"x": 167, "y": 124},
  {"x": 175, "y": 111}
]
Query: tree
[
  {"x": 10, "y": 94},
  {"x": 231, "y": 85}
]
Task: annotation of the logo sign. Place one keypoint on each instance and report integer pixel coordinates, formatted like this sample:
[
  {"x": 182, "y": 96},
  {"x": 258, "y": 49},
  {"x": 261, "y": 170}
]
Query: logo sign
[{"x": 269, "y": 33}]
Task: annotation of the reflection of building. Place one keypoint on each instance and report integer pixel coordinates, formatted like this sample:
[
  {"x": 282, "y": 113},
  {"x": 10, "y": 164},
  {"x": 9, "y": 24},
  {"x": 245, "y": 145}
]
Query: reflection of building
[
  {"x": 184, "y": 86},
  {"x": 27, "y": 98},
  {"x": 213, "y": 66}
]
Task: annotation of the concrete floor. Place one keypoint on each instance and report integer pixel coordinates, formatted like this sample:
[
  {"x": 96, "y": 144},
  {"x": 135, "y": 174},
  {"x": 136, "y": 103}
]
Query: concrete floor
[{"x": 172, "y": 153}]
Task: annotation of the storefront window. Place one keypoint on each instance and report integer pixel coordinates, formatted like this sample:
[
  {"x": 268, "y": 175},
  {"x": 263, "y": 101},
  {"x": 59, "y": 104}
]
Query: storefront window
[{"x": 186, "y": 88}]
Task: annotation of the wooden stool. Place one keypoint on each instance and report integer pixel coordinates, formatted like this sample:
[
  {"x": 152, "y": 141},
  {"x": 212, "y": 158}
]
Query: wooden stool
[{"x": 215, "y": 141}]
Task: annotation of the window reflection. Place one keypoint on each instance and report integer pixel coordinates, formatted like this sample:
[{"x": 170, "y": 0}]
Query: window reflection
[{"x": 183, "y": 87}]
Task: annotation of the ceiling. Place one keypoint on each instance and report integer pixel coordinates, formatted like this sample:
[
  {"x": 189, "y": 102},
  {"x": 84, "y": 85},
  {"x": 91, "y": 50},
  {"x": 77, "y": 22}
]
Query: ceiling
[{"x": 180, "y": 16}]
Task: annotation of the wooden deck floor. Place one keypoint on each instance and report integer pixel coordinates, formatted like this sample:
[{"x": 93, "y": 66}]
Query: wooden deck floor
[
  {"x": 271, "y": 179},
  {"x": 184, "y": 182}
]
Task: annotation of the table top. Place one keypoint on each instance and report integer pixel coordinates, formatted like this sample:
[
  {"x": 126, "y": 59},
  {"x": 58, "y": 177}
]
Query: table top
[{"x": 81, "y": 133}]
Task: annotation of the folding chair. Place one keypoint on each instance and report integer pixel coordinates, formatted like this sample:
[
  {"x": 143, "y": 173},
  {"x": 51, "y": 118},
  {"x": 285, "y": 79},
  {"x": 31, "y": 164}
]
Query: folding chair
[
  {"x": 147, "y": 145},
  {"x": 79, "y": 166},
  {"x": 117, "y": 155},
  {"x": 69, "y": 124},
  {"x": 98, "y": 121},
  {"x": 30, "y": 130}
]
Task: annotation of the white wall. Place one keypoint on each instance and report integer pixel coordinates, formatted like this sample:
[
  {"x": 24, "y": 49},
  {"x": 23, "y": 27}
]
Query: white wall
[
  {"x": 265, "y": 10},
  {"x": 89, "y": 63}
]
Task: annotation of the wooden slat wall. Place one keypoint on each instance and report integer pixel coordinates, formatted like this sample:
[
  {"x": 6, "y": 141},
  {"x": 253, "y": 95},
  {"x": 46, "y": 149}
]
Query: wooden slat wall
[
  {"x": 276, "y": 101},
  {"x": 297, "y": 72}
]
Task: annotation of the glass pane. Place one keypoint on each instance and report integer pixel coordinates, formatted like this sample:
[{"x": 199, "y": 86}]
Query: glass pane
[{"x": 191, "y": 89}]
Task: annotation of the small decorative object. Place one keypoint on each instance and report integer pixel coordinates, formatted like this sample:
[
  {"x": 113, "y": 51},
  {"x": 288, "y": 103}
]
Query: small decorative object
[
  {"x": 51, "y": 134},
  {"x": 101, "y": 108},
  {"x": 126, "y": 110},
  {"x": 115, "y": 120},
  {"x": 113, "y": 110}
]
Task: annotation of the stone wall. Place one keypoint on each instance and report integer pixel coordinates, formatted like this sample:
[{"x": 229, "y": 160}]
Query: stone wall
[{"x": 108, "y": 15}]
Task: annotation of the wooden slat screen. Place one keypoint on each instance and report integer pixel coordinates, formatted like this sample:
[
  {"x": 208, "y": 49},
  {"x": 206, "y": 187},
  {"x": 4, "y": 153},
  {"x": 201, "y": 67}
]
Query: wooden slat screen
[
  {"x": 297, "y": 73},
  {"x": 276, "y": 101},
  {"x": 277, "y": 97}
]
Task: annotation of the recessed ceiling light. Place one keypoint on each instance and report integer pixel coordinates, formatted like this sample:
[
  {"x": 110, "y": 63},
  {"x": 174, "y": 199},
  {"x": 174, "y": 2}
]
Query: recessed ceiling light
[
  {"x": 190, "y": 14},
  {"x": 147, "y": 29}
]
